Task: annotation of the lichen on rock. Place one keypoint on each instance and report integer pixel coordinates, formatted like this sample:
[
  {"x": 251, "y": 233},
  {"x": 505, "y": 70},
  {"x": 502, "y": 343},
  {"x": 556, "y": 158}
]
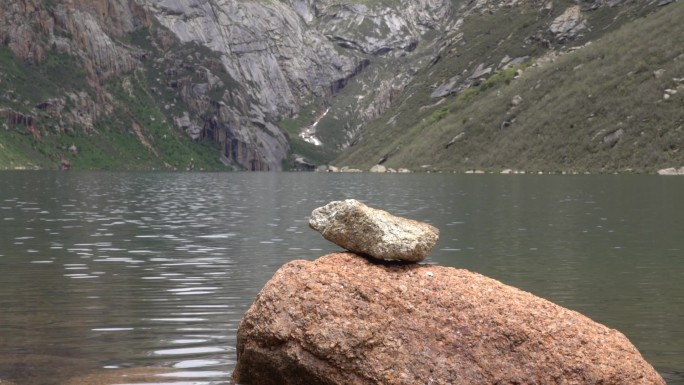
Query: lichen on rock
[{"x": 376, "y": 233}]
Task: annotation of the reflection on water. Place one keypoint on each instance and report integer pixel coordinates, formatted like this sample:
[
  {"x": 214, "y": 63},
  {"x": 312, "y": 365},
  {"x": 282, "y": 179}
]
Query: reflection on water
[{"x": 107, "y": 273}]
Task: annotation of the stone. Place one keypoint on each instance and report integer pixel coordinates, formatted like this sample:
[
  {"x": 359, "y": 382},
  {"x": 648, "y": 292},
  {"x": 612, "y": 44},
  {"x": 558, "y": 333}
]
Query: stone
[
  {"x": 301, "y": 164},
  {"x": 378, "y": 168},
  {"x": 143, "y": 375},
  {"x": 481, "y": 72},
  {"x": 612, "y": 138},
  {"x": 361, "y": 229},
  {"x": 450, "y": 87},
  {"x": 515, "y": 62},
  {"x": 49, "y": 368},
  {"x": 569, "y": 23},
  {"x": 671, "y": 171},
  {"x": 455, "y": 139},
  {"x": 344, "y": 319},
  {"x": 349, "y": 169}
]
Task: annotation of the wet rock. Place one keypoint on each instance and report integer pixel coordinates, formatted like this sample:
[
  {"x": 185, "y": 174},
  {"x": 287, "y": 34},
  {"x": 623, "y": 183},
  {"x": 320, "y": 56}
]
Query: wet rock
[
  {"x": 378, "y": 168},
  {"x": 120, "y": 376},
  {"x": 36, "y": 368},
  {"x": 343, "y": 319},
  {"x": 377, "y": 233}
]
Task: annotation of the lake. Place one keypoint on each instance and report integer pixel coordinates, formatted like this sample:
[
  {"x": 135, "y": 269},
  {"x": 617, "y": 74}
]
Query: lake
[{"x": 107, "y": 273}]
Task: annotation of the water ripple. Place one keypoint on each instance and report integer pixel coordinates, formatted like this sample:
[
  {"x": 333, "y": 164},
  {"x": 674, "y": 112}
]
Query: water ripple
[{"x": 134, "y": 270}]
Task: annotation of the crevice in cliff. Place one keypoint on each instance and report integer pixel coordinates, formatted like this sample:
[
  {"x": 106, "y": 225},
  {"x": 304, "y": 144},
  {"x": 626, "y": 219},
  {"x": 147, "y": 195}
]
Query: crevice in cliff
[
  {"x": 14, "y": 118},
  {"x": 339, "y": 84}
]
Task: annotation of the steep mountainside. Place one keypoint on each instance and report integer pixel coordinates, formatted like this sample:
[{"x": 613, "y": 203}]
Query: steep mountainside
[
  {"x": 590, "y": 94},
  {"x": 209, "y": 84}
]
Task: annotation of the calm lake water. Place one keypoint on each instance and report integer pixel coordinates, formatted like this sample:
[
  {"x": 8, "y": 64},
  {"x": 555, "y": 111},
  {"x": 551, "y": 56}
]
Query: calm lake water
[{"x": 104, "y": 272}]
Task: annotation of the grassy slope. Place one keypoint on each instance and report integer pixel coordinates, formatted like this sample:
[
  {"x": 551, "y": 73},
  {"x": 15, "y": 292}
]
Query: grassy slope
[{"x": 568, "y": 107}]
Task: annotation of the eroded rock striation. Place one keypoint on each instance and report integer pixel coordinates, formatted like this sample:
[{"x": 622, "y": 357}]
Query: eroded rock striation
[
  {"x": 344, "y": 319},
  {"x": 377, "y": 233}
]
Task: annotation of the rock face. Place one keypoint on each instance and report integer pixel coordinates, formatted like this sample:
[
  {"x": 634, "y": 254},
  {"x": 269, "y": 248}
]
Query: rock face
[
  {"x": 379, "y": 234},
  {"x": 235, "y": 72},
  {"x": 262, "y": 43},
  {"x": 344, "y": 319},
  {"x": 569, "y": 24}
]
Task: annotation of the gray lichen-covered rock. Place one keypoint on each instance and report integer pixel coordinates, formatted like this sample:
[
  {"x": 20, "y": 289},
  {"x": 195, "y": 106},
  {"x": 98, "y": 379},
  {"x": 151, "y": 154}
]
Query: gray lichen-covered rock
[
  {"x": 569, "y": 24},
  {"x": 379, "y": 234}
]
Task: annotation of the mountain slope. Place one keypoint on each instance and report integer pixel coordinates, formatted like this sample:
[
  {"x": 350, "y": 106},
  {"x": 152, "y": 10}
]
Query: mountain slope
[
  {"x": 613, "y": 105},
  {"x": 222, "y": 71},
  {"x": 254, "y": 84}
]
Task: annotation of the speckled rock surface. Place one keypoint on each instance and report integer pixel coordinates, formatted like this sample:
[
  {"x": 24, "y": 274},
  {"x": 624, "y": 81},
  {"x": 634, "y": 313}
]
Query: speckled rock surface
[
  {"x": 344, "y": 319},
  {"x": 125, "y": 376},
  {"x": 356, "y": 227}
]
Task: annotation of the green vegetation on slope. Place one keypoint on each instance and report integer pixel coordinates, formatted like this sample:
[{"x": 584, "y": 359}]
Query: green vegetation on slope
[
  {"x": 300, "y": 148},
  {"x": 600, "y": 108},
  {"x": 138, "y": 135}
]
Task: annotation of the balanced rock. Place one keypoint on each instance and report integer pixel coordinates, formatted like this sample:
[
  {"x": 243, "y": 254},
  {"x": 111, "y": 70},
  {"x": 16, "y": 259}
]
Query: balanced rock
[
  {"x": 343, "y": 319},
  {"x": 376, "y": 233}
]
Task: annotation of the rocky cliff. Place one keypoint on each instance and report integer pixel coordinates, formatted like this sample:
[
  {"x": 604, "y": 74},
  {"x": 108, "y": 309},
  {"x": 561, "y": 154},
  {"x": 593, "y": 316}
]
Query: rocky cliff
[
  {"x": 219, "y": 69},
  {"x": 143, "y": 79}
]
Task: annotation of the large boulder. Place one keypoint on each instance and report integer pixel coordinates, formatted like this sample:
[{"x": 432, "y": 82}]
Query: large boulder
[
  {"x": 377, "y": 233},
  {"x": 344, "y": 319}
]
